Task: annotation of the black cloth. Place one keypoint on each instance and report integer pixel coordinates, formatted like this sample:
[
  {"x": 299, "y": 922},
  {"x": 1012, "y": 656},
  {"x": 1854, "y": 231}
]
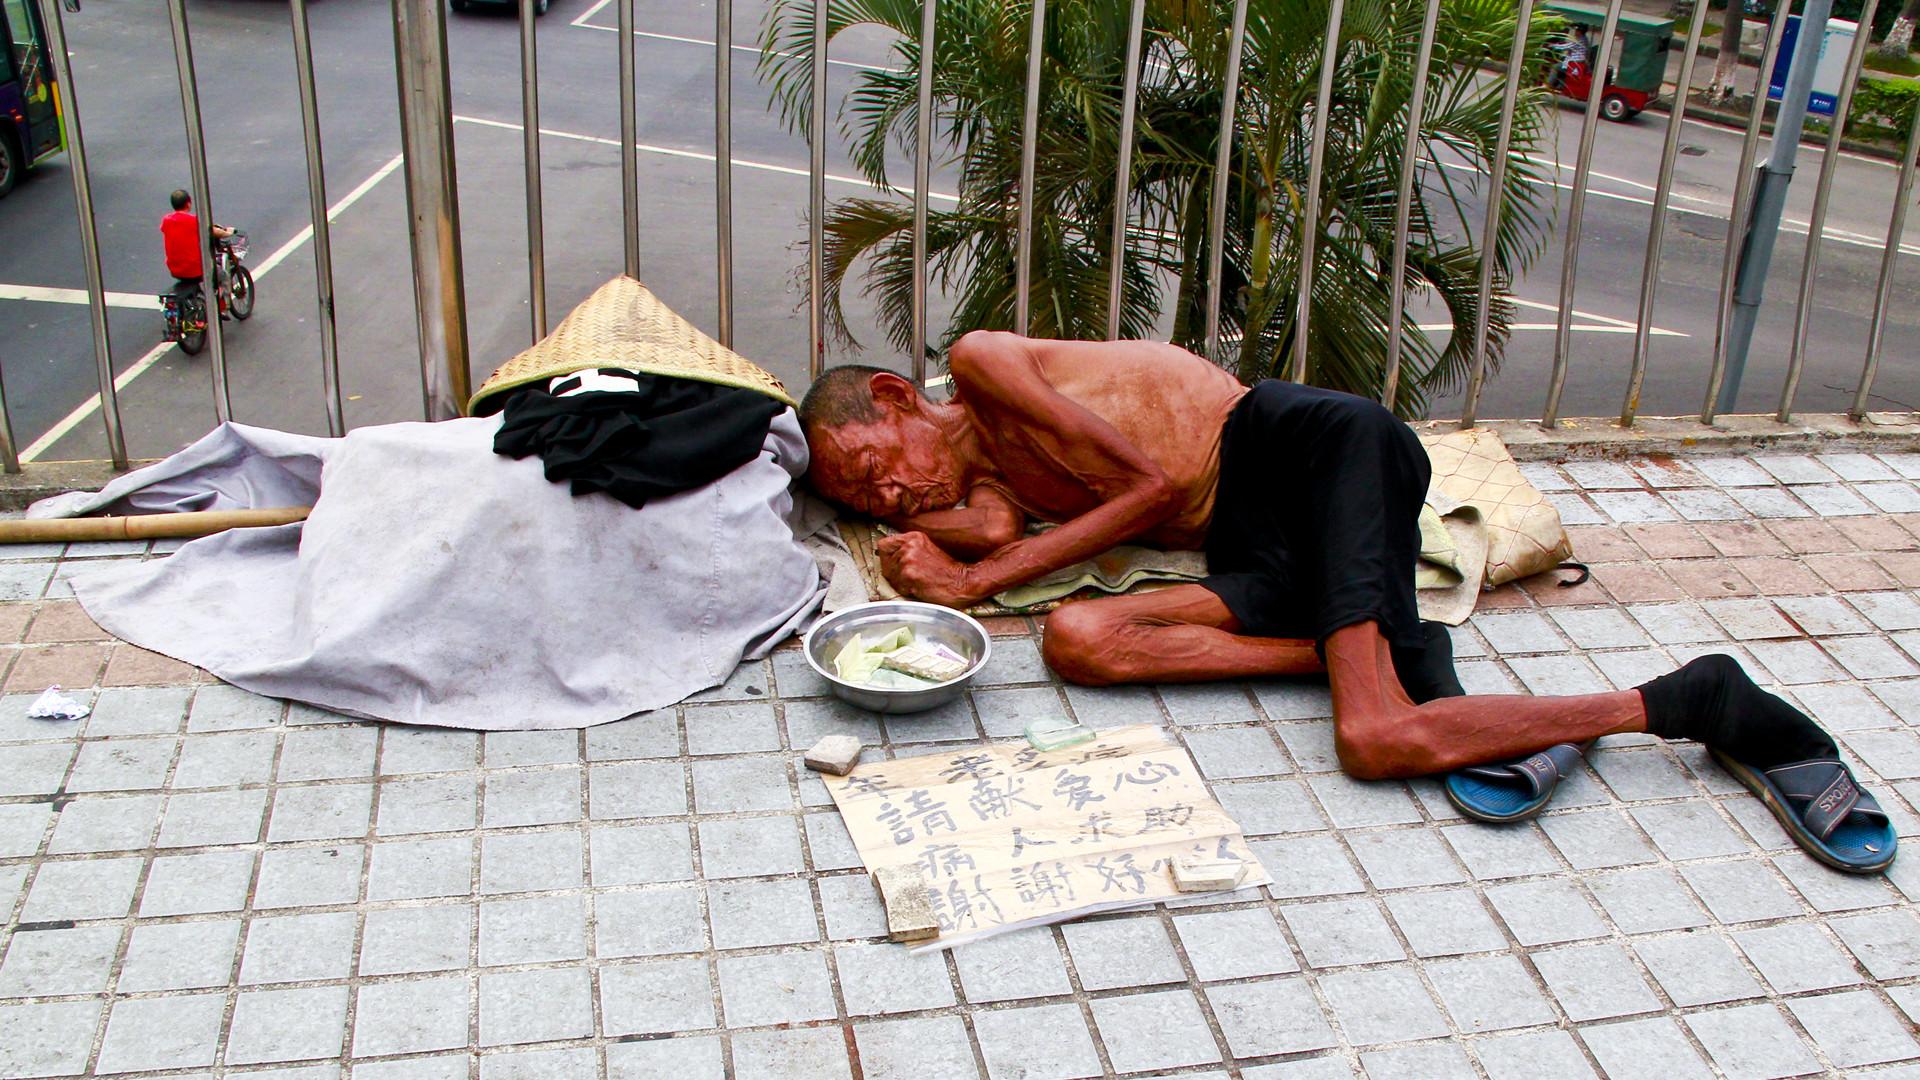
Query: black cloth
[
  {"x": 663, "y": 436},
  {"x": 1316, "y": 523},
  {"x": 1714, "y": 701}
]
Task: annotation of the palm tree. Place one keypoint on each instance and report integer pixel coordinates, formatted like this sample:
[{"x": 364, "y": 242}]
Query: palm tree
[{"x": 979, "y": 76}]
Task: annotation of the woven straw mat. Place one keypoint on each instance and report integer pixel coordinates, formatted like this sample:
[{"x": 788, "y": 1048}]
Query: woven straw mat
[{"x": 624, "y": 325}]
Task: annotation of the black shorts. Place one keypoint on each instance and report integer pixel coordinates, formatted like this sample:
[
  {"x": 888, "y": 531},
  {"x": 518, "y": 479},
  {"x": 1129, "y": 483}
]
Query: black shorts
[{"x": 1316, "y": 522}]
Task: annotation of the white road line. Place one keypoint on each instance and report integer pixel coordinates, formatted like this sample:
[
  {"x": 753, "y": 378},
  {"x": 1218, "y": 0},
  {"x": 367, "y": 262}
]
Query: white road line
[
  {"x": 49, "y": 295},
  {"x": 1741, "y": 134},
  {"x": 695, "y": 155},
  {"x": 583, "y": 24},
  {"x": 92, "y": 405},
  {"x": 1792, "y": 225}
]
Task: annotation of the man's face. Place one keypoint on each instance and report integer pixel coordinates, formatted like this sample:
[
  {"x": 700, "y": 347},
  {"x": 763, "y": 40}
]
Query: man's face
[{"x": 895, "y": 467}]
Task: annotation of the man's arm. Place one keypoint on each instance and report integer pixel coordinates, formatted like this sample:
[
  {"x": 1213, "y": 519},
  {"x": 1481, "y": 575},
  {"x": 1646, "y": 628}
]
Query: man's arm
[
  {"x": 989, "y": 522},
  {"x": 1000, "y": 374}
]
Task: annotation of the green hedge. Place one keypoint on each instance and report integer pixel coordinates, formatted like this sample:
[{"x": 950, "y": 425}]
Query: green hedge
[{"x": 1888, "y": 103}]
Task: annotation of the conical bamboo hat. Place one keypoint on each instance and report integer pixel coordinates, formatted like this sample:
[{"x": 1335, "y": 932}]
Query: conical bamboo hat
[{"x": 624, "y": 325}]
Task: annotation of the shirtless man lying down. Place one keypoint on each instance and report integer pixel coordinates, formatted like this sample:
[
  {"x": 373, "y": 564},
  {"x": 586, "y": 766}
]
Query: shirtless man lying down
[{"x": 1306, "y": 502}]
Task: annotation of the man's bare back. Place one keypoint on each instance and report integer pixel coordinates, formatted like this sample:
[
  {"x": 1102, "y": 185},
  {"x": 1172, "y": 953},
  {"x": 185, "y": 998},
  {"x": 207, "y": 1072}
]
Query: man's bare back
[{"x": 1111, "y": 441}]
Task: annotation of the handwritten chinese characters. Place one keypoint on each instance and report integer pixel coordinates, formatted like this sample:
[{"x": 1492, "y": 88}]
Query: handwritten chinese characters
[{"x": 1008, "y": 836}]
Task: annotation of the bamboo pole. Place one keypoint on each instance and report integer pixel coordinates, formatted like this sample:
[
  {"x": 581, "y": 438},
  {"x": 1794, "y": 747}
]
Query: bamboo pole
[{"x": 145, "y": 526}]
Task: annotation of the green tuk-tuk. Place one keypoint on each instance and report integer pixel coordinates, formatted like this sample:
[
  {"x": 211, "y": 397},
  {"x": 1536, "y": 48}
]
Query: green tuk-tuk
[{"x": 1639, "y": 61}]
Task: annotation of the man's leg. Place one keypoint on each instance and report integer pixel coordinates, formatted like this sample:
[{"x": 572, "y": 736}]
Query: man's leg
[
  {"x": 1379, "y": 733},
  {"x": 1179, "y": 634}
]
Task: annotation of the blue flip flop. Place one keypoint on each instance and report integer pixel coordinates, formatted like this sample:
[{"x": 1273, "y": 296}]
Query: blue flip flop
[
  {"x": 1823, "y": 808},
  {"x": 1513, "y": 790}
]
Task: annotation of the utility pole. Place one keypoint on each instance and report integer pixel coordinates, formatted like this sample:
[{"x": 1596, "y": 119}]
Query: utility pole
[{"x": 1770, "y": 191}]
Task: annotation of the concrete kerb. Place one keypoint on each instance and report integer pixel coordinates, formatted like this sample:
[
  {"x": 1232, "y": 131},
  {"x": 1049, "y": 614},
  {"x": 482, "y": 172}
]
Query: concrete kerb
[{"x": 1573, "y": 439}]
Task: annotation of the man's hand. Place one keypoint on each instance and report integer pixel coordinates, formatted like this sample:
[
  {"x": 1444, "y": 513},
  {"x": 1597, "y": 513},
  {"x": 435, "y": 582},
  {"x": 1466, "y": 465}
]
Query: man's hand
[{"x": 918, "y": 568}]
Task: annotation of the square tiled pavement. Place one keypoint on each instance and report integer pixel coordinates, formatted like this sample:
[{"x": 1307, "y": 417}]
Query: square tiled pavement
[{"x": 198, "y": 882}]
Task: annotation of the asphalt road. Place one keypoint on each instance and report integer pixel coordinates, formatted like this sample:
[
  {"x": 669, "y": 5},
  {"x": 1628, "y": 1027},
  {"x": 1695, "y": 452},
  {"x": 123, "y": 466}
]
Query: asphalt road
[{"x": 129, "y": 101}]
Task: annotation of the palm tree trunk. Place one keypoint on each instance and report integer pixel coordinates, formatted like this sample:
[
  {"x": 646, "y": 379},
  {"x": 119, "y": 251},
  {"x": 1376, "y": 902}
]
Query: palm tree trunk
[
  {"x": 1728, "y": 62},
  {"x": 1900, "y": 38},
  {"x": 1193, "y": 241}
]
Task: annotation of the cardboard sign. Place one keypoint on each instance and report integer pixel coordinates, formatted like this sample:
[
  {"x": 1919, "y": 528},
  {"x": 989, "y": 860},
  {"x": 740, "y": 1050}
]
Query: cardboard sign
[{"x": 1007, "y": 836}]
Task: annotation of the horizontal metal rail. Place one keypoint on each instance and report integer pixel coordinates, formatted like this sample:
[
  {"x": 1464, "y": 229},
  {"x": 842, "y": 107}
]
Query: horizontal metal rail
[{"x": 428, "y": 157}]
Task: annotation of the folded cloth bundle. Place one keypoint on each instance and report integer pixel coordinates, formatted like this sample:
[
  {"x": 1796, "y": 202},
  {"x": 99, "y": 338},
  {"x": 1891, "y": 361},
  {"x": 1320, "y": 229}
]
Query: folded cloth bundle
[{"x": 635, "y": 435}]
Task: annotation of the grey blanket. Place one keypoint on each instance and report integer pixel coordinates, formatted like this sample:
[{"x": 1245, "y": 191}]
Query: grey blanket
[{"x": 438, "y": 583}]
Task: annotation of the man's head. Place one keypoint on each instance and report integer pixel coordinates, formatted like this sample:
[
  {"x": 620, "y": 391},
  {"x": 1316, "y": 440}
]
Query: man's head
[
  {"x": 180, "y": 199},
  {"x": 1580, "y": 31},
  {"x": 877, "y": 446}
]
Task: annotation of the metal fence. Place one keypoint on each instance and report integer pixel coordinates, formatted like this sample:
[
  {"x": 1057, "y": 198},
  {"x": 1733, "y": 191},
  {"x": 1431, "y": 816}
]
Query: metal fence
[{"x": 426, "y": 122}]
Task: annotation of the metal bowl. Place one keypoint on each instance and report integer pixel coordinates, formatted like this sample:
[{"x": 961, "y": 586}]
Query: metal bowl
[{"x": 929, "y": 622}]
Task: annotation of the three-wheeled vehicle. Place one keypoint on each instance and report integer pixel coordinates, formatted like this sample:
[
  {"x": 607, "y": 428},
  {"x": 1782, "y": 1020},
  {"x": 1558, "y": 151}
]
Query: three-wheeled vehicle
[{"x": 1639, "y": 60}]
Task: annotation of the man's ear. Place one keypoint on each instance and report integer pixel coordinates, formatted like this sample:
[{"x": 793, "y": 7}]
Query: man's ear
[{"x": 890, "y": 391}]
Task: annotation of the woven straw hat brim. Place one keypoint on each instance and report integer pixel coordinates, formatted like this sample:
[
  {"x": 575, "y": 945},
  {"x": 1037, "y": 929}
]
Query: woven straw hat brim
[{"x": 624, "y": 325}]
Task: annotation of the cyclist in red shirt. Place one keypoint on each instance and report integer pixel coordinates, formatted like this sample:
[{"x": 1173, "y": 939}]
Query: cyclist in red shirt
[{"x": 180, "y": 235}]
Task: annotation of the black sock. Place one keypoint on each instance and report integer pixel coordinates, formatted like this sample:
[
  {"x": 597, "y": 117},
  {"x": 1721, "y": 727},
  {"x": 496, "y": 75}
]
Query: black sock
[
  {"x": 1427, "y": 672},
  {"x": 1712, "y": 700}
]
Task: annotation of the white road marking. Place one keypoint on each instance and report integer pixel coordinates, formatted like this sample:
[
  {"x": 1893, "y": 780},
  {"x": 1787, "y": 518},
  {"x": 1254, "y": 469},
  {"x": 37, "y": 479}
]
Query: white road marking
[
  {"x": 49, "y": 295},
  {"x": 92, "y": 405},
  {"x": 1792, "y": 225},
  {"x": 583, "y": 24},
  {"x": 695, "y": 155}
]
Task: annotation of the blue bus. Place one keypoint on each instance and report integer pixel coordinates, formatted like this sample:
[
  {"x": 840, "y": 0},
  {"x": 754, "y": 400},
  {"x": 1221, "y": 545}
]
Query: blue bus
[{"x": 30, "y": 129}]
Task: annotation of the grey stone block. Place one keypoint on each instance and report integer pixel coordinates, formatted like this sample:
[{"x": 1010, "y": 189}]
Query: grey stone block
[
  {"x": 197, "y": 884},
  {"x": 909, "y": 1049},
  {"x": 1047, "y": 1040},
  {"x": 740, "y": 728},
  {"x": 1238, "y": 752},
  {"x": 1752, "y": 1041},
  {"x": 1386, "y": 1005},
  {"x": 180, "y": 956},
  {"x": 1112, "y": 953},
  {"x": 803, "y": 1054},
  {"x": 105, "y": 823},
  {"x": 685, "y": 1058},
  {"x": 532, "y": 861},
  {"x": 1697, "y": 969},
  {"x": 1012, "y": 966},
  {"x": 741, "y": 785},
  {"x": 1650, "y": 1049},
  {"x": 120, "y": 765},
  {"x": 1739, "y": 891},
  {"x": 748, "y": 914},
  {"x": 1854, "y": 1029},
  {"x": 59, "y": 962},
  {"x": 1336, "y": 933},
  {"x": 1545, "y": 912},
  {"x": 427, "y": 750},
  {"x": 885, "y": 978},
  {"x": 157, "y": 1033},
  {"x": 92, "y": 889},
  {"x": 325, "y": 812},
  {"x": 554, "y": 1003},
  {"x": 229, "y": 759},
  {"x": 750, "y": 847},
  {"x": 639, "y": 854},
  {"x": 417, "y": 869},
  {"x": 442, "y": 804},
  {"x": 534, "y": 930},
  {"x": 1405, "y": 858},
  {"x": 636, "y": 789},
  {"x": 1445, "y": 923},
  {"x": 1160, "y": 1030},
  {"x": 653, "y": 997},
  {"x": 50, "y": 1038},
  {"x": 1646, "y": 901},
  {"x": 648, "y": 735},
  {"x": 776, "y": 988},
  {"x": 1595, "y": 982},
  {"x": 852, "y": 907},
  {"x": 417, "y": 939},
  {"x": 1489, "y": 993},
  {"x": 1234, "y": 944},
  {"x": 535, "y": 797},
  {"x": 299, "y": 948},
  {"x": 507, "y": 749},
  {"x": 1887, "y": 943},
  {"x": 410, "y": 1016},
  {"x": 287, "y": 1025},
  {"x": 332, "y": 753},
  {"x": 652, "y": 922},
  {"x": 1304, "y": 866},
  {"x": 298, "y": 877}
]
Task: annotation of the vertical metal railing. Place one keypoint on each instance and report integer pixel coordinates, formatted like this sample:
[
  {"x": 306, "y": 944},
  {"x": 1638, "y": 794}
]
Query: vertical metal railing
[
  {"x": 629, "y": 140},
  {"x": 530, "y": 153},
  {"x": 1743, "y": 183},
  {"x": 723, "y": 168},
  {"x": 1223, "y": 175},
  {"x": 433, "y": 205},
  {"x": 322, "y": 228},
  {"x": 817, "y": 199},
  {"x": 1123, "y": 169},
  {"x": 1817, "y": 223},
  {"x": 922, "y": 178},
  {"x": 1029, "y": 148},
  {"x": 1576, "y": 213},
  {"x": 89, "y": 251},
  {"x": 1309, "y": 225},
  {"x": 1657, "y": 223},
  {"x": 202, "y": 202},
  {"x": 1883, "y": 291},
  {"x": 1496, "y": 187},
  {"x": 1403, "y": 205}
]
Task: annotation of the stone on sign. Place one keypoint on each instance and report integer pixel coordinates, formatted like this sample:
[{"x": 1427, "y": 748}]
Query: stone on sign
[
  {"x": 909, "y": 905},
  {"x": 835, "y": 755},
  {"x": 1192, "y": 874}
]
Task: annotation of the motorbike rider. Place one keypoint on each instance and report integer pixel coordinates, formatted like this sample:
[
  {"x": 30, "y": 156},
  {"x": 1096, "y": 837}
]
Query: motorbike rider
[
  {"x": 1576, "y": 50},
  {"x": 180, "y": 235}
]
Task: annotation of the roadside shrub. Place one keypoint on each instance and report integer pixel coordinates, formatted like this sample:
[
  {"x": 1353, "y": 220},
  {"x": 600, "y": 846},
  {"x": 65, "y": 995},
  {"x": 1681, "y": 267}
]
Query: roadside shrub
[{"x": 1888, "y": 103}]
